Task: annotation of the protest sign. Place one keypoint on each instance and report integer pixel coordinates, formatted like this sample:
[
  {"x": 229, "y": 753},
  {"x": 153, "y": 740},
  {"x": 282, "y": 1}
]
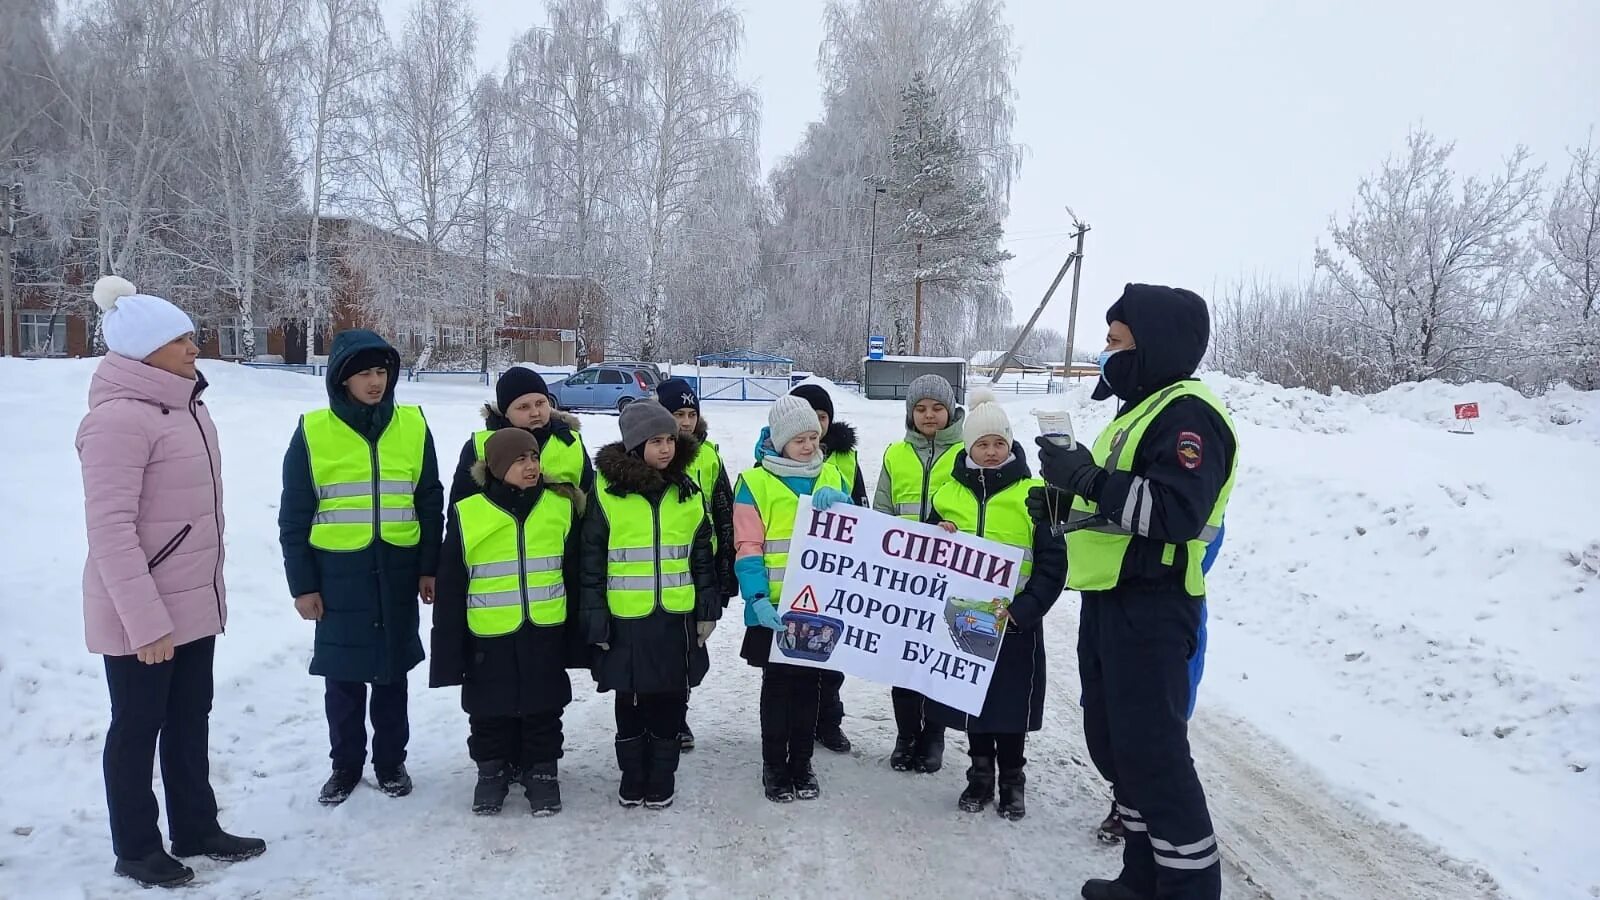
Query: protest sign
[{"x": 896, "y": 602}]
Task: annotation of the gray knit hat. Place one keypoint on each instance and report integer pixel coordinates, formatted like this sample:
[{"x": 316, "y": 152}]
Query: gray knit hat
[
  {"x": 930, "y": 387},
  {"x": 643, "y": 420},
  {"x": 790, "y": 417}
]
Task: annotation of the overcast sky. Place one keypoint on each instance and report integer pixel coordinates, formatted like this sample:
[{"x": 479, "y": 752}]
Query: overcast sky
[{"x": 1205, "y": 142}]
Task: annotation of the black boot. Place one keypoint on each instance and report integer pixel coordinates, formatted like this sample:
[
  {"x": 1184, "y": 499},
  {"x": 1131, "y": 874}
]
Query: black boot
[
  {"x": 338, "y": 787},
  {"x": 661, "y": 783},
  {"x": 930, "y": 749},
  {"x": 1011, "y": 789},
  {"x": 904, "y": 757},
  {"x": 222, "y": 847},
  {"x": 1111, "y": 830},
  {"x": 832, "y": 737},
  {"x": 632, "y": 760},
  {"x": 156, "y": 870},
  {"x": 908, "y": 727},
  {"x": 1102, "y": 889},
  {"x": 494, "y": 783},
  {"x": 542, "y": 788},
  {"x": 395, "y": 782},
  {"x": 804, "y": 779},
  {"x": 685, "y": 738},
  {"x": 980, "y": 785},
  {"x": 776, "y": 782}
]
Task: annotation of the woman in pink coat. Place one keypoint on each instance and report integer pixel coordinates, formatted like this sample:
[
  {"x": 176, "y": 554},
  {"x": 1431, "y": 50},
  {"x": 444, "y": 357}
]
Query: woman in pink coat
[{"x": 152, "y": 586}]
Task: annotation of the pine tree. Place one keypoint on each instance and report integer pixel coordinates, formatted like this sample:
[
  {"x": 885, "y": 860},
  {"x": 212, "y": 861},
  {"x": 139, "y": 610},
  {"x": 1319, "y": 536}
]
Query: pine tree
[{"x": 947, "y": 240}]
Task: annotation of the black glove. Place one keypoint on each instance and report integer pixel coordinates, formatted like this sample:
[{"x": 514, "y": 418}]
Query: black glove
[
  {"x": 1071, "y": 470},
  {"x": 1048, "y": 506}
]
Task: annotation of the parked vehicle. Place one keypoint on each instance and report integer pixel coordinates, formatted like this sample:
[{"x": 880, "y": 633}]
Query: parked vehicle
[
  {"x": 604, "y": 386},
  {"x": 654, "y": 374}
]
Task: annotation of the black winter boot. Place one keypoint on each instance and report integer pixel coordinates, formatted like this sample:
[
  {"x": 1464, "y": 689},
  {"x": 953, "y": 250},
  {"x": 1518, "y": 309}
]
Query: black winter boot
[
  {"x": 339, "y": 786},
  {"x": 832, "y": 737},
  {"x": 542, "y": 787},
  {"x": 904, "y": 757},
  {"x": 1011, "y": 789},
  {"x": 395, "y": 782},
  {"x": 908, "y": 726},
  {"x": 804, "y": 779},
  {"x": 632, "y": 760},
  {"x": 777, "y": 783},
  {"x": 222, "y": 847},
  {"x": 980, "y": 785},
  {"x": 156, "y": 870},
  {"x": 1102, "y": 889},
  {"x": 494, "y": 783},
  {"x": 685, "y": 738},
  {"x": 930, "y": 749},
  {"x": 660, "y": 785},
  {"x": 1111, "y": 830}
]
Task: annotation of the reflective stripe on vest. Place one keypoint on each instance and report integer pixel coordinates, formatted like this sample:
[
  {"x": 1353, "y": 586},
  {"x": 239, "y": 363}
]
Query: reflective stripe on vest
[
  {"x": 912, "y": 480},
  {"x": 365, "y": 489},
  {"x": 1003, "y": 518},
  {"x": 778, "y": 503},
  {"x": 558, "y": 460},
  {"x": 647, "y": 559},
  {"x": 511, "y": 581},
  {"x": 1095, "y": 553}
]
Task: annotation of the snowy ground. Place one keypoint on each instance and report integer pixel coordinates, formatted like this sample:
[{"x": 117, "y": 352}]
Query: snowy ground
[{"x": 1401, "y": 698}]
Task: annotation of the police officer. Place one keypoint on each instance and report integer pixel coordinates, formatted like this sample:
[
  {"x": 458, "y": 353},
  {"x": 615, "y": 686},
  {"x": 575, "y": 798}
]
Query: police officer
[{"x": 1144, "y": 503}]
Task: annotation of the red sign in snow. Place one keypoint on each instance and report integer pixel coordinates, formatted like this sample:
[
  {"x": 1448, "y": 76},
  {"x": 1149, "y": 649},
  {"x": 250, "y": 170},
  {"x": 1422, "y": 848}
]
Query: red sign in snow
[{"x": 1466, "y": 410}]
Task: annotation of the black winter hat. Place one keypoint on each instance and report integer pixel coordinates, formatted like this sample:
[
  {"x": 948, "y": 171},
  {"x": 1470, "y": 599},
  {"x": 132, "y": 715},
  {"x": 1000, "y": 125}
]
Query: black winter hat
[
  {"x": 515, "y": 382},
  {"x": 676, "y": 394},
  {"x": 815, "y": 395},
  {"x": 362, "y": 360}
]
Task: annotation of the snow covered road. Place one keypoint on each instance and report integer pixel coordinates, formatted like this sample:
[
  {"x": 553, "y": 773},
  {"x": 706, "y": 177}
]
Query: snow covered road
[{"x": 1302, "y": 749}]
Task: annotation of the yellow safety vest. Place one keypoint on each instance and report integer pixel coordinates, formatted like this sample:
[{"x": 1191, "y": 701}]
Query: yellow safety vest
[
  {"x": 1003, "y": 518},
  {"x": 706, "y": 470},
  {"x": 365, "y": 489},
  {"x": 558, "y": 460},
  {"x": 913, "y": 480},
  {"x": 847, "y": 462},
  {"x": 1095, "y": 554},
  {"x": 514, "y": 566},
  {"x": 647, "y": 559},
  {"x": 778, "y": 503}
]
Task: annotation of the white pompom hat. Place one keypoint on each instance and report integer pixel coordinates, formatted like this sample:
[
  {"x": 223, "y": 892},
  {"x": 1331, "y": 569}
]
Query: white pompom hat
[
  {"x": 137, "y": 325},
  {"x": 985, "y": 416}
]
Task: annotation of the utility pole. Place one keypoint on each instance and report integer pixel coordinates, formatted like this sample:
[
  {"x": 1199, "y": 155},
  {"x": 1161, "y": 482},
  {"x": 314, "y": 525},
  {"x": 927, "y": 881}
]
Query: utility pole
[
  {"x": 1074, "y": 261},
  {"x": 8, "y": 233},
  {"x": 872, "y": 257},
  {"x": 1072, "y": 309}
]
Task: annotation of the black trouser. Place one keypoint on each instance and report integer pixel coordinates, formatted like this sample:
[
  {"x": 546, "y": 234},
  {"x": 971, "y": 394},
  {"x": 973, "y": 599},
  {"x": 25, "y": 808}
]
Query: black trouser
[
  {"x": 910, "y": 713},
  {"x": 830, "y": 709},
  {"x": 657, "y": 715},
  {"x": 346, "y": 704},
  {"x": 168, "y": 703},
  {"x": 1007, "y": 748},
  {"x": 522, "y": 741},
  {"x": 789, "y": 696},
  {"x": 1133, "y": 658}
]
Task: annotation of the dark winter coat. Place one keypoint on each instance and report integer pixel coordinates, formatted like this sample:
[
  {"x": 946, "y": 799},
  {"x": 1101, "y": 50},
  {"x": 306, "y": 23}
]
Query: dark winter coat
[
  {"x": 721, "y": 523},
  {"x": 563, "y": 427},
  {"x": 368, "y": 630},
  {"x": 841, "y": 438},
  {"x": 1015, "y": 702},
  {"x": 517, "y": 674},
  {"x": 659, "y": 653}
]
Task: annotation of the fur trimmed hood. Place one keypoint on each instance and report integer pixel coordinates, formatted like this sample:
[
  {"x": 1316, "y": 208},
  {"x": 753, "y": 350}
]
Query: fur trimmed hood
[
  {"x": 480, "y": 474},
  {"x": 841, "y": 438},
  {"x": 628, "y": 474}
]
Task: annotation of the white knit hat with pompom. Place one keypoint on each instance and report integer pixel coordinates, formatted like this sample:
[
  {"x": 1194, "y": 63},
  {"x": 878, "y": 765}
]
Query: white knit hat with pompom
[
  {"x": 985, "y": 416},
  {"x": 137, "y": 325}
]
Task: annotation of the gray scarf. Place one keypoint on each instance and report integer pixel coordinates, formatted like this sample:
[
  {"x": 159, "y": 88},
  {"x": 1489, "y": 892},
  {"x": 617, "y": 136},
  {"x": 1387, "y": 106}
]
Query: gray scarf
[{"x": 784, "y": 467}]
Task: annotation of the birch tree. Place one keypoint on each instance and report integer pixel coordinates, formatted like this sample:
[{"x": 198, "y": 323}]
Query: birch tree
[{"x": 26, "y": 130}]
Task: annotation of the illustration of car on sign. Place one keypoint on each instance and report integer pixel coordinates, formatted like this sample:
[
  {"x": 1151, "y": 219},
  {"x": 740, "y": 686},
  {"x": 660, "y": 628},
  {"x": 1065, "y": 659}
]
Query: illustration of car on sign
[{"x": 974, "y": 626}]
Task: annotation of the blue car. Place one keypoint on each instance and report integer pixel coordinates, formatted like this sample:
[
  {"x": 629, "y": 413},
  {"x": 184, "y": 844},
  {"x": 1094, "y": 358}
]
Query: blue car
[{"x": 603, "y": 387}]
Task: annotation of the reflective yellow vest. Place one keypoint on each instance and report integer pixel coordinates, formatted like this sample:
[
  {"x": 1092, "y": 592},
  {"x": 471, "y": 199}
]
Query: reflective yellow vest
[
  {"x": 1004, "y": 518},
  {"x": 706, "y": 470},
  {"x": 847, "y": 462},
  {"x": 914, "y": 481},
  {"x": 647, "y": 559},
  {"x": 365, "y": 489},
  {"x": 1095, "y": 554},
  {"x": 778, "y": 503},
  {"x": 514, "y": 566},
  {"x": 558, "y": 460}
]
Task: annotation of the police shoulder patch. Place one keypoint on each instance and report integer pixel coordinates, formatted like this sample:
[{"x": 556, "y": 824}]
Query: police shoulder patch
[{"x": 1190, "y": 449}]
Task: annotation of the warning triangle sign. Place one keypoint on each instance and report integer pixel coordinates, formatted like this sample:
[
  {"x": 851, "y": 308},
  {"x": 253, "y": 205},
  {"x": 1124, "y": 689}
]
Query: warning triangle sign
[{"x": 806, "y": 602}]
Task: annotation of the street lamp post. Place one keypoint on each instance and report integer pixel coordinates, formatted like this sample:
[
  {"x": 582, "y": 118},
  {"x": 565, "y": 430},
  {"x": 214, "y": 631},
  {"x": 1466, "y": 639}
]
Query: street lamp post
[{"x": 872, "y": 257}]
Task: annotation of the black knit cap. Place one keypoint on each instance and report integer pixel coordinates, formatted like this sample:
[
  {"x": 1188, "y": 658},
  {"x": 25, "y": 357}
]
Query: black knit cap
[
  {"x": 676, "y": 394},
  {"x": 369, "y": 358},
  {"x": 515, "y": 382},
  {"x": 817, "y": 397}
]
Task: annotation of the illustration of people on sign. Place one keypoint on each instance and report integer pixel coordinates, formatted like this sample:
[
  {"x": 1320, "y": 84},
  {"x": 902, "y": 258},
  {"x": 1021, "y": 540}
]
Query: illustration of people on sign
[
  {"x": 976, "y": 625},
  {"x": 809, "y": 635}
]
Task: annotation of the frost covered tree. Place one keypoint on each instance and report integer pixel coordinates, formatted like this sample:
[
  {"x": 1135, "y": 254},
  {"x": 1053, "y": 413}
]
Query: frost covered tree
[
  {"x": 1562, "y": 316},
  {"x": 1421, "y": 270},
  {"x": 947, "y": 237},
  {"x": 27, "y": 129}
]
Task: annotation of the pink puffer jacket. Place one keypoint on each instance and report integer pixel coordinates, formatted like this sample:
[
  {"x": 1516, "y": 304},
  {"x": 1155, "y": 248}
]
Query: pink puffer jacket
[{"x": 152, "y": 499}]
